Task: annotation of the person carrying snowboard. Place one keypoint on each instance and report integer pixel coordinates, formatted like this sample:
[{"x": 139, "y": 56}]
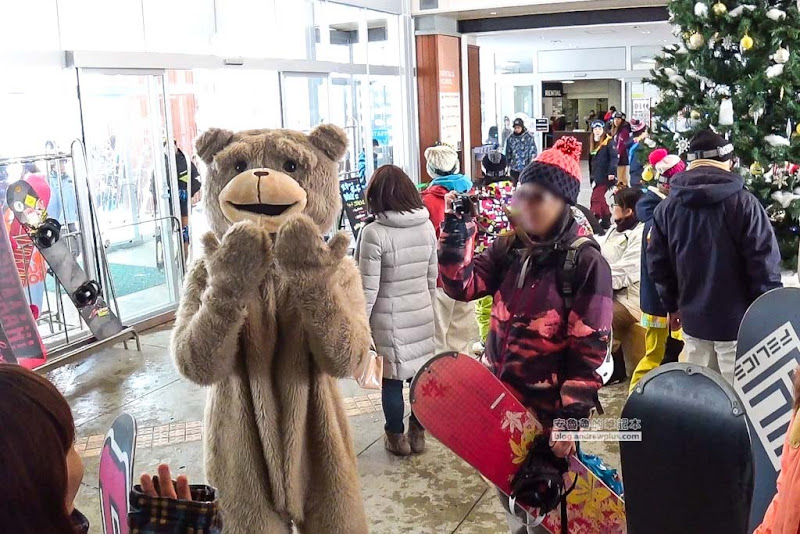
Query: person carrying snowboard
[
  {"x": 493, "y": 197},
  {"x": 552, "y": 295},
  {"x": 654, "y": 315},
  {"x": 602, "y": 172},
  {"x": 712, "y": 252}
]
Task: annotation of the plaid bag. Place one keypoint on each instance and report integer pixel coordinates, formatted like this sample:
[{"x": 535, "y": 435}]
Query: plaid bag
[{"x": 160, "y": 515}]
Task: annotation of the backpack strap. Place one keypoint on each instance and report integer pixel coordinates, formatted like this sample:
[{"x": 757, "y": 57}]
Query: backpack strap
[{"x": 569, "y": 269}]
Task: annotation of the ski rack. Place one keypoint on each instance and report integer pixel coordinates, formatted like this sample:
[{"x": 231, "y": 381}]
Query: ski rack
[{"x": 83, "y": 342}]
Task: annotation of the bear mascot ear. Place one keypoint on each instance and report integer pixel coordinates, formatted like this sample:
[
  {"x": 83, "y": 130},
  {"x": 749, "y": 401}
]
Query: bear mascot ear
[
  {"x": 329, "y": 139},
  {"x": 212, "y": 142}
]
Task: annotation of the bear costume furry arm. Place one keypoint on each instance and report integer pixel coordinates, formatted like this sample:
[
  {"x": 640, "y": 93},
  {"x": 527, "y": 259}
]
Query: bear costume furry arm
[
  {"x": 213, "y": 307},
  {"x": 326, "y": 288}
]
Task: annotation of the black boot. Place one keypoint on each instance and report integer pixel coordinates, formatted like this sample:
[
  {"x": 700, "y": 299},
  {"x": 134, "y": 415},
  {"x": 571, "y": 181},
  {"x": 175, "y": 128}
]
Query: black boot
[
  {"x": 605, "y": 222},
  {"x": 620, "y": 374}
]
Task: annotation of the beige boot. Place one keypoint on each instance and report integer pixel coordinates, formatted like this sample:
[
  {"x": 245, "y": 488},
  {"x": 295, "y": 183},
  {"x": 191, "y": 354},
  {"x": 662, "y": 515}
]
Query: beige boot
[
  {"x": 396, "y": 444},
  {"x": 416, "y": 436}
]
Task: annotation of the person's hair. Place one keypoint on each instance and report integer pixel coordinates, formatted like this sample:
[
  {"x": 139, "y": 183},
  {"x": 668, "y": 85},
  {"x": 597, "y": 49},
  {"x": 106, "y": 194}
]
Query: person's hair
[
  {"x": 797, "y": 387},
  {"x": 628, "y": 197},
  {"x": 390, "y": 189},
  {"x": 375, "y": 142},
  {"x": 37, "y": 432},
  {"x": 592, "y": 143},
  {"x": 612, "y": 108}
]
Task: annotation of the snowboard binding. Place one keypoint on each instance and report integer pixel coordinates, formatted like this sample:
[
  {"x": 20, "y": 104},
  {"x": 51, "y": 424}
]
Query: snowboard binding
[
  {"x": 86, "y": 294},
  {"x": 47, "y": 233},
  {"x": 539, "y": 483}
]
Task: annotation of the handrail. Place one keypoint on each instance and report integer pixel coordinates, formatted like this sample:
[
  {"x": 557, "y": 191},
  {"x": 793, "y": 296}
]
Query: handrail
[{"x": 175, "y": 223}]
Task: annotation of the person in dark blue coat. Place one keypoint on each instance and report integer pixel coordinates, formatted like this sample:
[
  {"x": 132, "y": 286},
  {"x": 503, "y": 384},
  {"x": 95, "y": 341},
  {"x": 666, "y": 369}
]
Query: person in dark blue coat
[
  {"x": 602, "y": 171},
  {"x": 712, "y": 252},
  {"x": 633, "y": 146}
]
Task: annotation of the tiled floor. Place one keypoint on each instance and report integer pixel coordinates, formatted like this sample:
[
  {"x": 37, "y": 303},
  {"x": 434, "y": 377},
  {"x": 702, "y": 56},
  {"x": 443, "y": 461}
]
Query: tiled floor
[{"x": 432, "y": 493}]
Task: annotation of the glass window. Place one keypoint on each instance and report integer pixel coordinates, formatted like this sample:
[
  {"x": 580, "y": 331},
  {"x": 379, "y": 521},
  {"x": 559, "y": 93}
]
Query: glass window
[
  {"x": 40, "y": 105},
  {"x": 101, "y": 25},
  {"x": 505, "y": 64},
  {"x": 248, "y": 28},
  {"x": 383, "y": 39},
  {"x": 236, "y": 99},
  {"x": 184, "y": 26},
  {"x": 16, "y": 20},
  {"x": 336, "y": 34}
]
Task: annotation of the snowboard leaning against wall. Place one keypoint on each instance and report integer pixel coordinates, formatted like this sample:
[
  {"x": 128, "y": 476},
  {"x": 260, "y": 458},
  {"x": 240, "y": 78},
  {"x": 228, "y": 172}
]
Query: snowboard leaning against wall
[{"x": 270, "y": 318}]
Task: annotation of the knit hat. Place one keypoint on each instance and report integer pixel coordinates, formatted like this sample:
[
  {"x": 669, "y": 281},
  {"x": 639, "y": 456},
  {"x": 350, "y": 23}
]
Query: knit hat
[
  {"x": 519, "y": 122},
  {"x": 667, "y": 165},
  {"x": 558, "y": 169},
  {"x": 618, "y": 115},
  {"x": 442, "y": 160},
  {"x": 708, "y": 144},
  {"x": 637, "y": 127},
  {"x": 495, "y": 164},
  {"x": 598, "y": 124}
]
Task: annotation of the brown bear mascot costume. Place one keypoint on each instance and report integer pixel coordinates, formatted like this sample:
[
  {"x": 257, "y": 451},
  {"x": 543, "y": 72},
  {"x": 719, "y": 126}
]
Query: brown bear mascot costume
[{"x": 270, "y": 318}]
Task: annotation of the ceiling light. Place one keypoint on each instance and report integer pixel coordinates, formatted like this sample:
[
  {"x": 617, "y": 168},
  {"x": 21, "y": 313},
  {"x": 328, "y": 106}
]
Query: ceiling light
[
  {"x": 555, "y": 41},
  {"x": 568, "y": 81},
  {"x": 493, "y": 12},
  {"x": 645, "y": 32},
  {"x": 648, "y": 60},
  {"x": 600, "y": 31}
]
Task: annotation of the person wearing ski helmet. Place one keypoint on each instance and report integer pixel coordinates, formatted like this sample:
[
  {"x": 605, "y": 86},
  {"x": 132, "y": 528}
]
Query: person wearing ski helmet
[
  {"x": 654, "y": 314},
  {"x": 712, "y": 252},
  {"x": 546, "y": 341},
  {"x": 620, "y": 133},
  {"x": 455, "y": 324},
  {"x": 602, "y": 171},
  {"x": 520, "y": 148}
]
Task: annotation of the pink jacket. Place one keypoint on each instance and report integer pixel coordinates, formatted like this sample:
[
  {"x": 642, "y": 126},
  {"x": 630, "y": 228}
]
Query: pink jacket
[{"x": 783, "y": 515}]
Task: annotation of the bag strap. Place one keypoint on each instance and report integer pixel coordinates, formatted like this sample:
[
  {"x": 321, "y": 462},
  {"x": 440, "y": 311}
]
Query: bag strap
[{"x": 569, "y": 270}]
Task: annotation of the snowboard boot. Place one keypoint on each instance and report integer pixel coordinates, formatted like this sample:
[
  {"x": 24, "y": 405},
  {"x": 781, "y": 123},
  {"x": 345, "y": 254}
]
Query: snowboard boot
[
  {"x": 605, "y": 222},
  {"x": 416, "y": 436},
  {"x": 620, "y": 374},
  {"x": 396, "y": 444}
]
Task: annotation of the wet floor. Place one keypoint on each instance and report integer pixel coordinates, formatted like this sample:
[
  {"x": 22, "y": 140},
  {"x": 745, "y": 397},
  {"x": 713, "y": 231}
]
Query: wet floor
[{"x": 435, "y": 492}]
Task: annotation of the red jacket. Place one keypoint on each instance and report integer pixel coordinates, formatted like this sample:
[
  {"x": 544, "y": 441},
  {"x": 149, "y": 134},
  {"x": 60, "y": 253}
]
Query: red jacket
[{"x": 433, "y": 198}]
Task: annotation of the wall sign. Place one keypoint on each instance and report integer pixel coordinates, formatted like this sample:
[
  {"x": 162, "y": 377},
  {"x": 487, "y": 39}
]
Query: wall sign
[
  {"x": 355, "y": 205},
  {"x": 552, "y": 89},
  {"x": 542, "y": 125}
]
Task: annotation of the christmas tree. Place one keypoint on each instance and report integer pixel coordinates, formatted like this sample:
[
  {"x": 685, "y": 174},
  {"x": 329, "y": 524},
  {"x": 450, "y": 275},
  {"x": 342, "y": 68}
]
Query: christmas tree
[{"x": 737, "y": 70}]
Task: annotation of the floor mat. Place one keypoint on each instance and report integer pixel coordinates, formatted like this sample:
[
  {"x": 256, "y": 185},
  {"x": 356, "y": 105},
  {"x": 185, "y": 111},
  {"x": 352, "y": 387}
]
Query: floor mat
[{"x": 128, "y": 279}]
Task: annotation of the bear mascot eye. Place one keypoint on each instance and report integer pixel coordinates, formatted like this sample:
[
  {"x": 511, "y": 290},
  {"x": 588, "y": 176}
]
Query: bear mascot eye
[
  {"x": 290, "y": 166},
  {"x": 241, "y": 166}
]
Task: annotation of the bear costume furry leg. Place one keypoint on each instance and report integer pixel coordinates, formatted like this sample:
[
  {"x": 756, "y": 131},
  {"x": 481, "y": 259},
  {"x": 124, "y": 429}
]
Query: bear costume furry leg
[{"x": 270, "y": 319}]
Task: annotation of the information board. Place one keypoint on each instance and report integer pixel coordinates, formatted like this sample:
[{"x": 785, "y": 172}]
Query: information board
[{"x": 355, "y": 205}]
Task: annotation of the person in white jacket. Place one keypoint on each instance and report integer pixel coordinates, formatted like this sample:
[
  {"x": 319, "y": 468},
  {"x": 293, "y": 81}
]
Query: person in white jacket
[
  {"x": 623, "y": 251},
  {"x": 396, "y": 255}
]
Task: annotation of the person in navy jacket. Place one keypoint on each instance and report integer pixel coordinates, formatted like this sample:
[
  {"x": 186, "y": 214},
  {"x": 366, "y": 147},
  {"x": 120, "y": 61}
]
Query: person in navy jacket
[{"x": 712, "y": 252}]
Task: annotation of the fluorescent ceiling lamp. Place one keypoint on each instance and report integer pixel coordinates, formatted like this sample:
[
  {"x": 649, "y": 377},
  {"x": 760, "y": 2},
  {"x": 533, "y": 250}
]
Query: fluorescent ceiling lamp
[
  {"x": 568, "y": 81},
  {"x": 648, "y": 60},
  {"x": 600, "y": 31}
]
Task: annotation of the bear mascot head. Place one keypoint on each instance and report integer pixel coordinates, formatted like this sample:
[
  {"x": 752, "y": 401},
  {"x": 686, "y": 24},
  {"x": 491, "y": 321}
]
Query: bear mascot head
[{"x": 267, "y": 176}]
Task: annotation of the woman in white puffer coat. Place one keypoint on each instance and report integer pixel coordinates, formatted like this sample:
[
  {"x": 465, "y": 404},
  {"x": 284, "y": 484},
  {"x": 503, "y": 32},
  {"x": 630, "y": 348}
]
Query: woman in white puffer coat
[{"x": 396, "y": 255}]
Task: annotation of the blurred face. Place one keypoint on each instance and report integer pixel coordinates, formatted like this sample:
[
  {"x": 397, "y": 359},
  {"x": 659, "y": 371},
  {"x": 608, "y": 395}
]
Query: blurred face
[
  {"x": 517, "y": 129},
  {"x": 74, "y": 477},
  {"x": 617, "y": 121},
  {"x": 537, "y": 209},
  {"x": 507, "y": 122},
  {"x": 598, "y": 131}
]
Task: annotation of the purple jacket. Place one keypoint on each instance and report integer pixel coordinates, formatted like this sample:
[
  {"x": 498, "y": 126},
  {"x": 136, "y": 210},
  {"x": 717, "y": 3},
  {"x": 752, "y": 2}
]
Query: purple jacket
[
  {"x": 712, "y": 252},
  {"x": 548, "y": 360}
]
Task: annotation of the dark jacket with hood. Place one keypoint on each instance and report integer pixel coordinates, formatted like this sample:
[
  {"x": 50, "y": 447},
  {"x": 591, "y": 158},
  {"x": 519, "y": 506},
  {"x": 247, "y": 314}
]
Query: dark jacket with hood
[
  {"x": 712, "y": 251},
  {"x": 649, "y": 301},
  {"x": 547, "y": 356},
  {"x": 603, "y": 163},
  {"x": 632, "y": 149}
]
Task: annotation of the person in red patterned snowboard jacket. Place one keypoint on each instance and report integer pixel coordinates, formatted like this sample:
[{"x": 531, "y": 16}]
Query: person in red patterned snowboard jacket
[{"x": 544, "y": 345}]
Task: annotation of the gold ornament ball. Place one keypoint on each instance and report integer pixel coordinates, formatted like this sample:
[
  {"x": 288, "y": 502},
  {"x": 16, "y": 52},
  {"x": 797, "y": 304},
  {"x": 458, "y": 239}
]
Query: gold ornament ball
[
  {"x": 756, "y": 169},
  {"x": 695, "y": 115},
  {"x": 648, "y": 174},
  {"x": 798, "y": 128},
  {"x": 696, "y": 40},
  {"x": 746, "y": 42},
  {"x": 719, "y": 9}
]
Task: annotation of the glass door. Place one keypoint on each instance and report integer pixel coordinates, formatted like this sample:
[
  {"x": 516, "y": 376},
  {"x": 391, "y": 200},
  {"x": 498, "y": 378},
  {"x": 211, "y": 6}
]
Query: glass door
[{"x": 131, "y": 172}]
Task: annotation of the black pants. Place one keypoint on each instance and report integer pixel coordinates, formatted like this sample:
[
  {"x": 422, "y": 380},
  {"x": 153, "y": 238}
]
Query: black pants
[
  {"x": 514, "y": 176},
  {"x": 393, "y": 406}
]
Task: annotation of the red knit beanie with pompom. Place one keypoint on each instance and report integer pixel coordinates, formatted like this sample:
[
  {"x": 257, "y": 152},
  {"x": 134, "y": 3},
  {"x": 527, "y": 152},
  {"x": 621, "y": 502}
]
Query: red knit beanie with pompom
[{"x": 558, "y": 169}]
